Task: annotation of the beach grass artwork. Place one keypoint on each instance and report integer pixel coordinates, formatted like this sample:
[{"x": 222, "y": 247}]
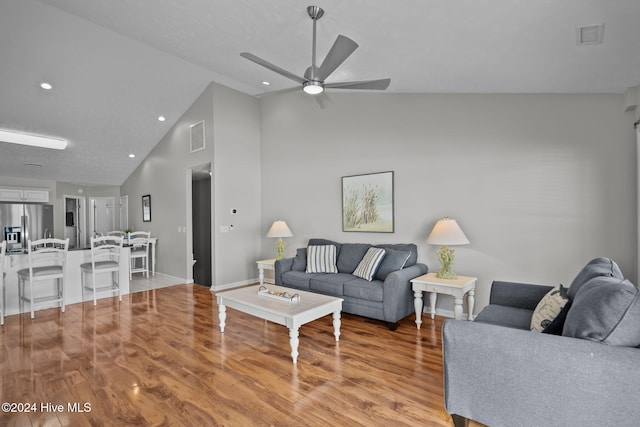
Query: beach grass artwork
[{"x": 367, "y": 202}]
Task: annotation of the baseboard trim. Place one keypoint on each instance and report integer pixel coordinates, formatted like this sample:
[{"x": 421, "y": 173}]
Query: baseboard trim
[
  {"x": 444, "y": 313},
  {"x": 225, "y": 286},
  {"x": 174, "y": 278}
]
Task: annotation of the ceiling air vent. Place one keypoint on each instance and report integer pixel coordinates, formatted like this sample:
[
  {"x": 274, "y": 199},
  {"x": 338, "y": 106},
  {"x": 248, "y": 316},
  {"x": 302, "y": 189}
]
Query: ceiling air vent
[{"x": 589, "y": 34}]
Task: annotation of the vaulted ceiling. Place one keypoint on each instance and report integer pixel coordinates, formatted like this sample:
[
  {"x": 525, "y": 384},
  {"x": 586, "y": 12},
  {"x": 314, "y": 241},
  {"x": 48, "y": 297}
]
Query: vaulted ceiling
[{"x": 117, "y": 65}]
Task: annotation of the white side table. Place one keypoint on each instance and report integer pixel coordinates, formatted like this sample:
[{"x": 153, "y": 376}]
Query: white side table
[
  {"x": 457, "y": 288},
  {"x": 265, "y": 264}
]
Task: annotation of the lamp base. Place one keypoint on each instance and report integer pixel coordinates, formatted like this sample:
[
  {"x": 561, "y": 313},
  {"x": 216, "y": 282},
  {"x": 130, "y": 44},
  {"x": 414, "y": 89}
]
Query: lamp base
[
  {"x": 280, "y": 248},
  {"x": 445, "y": 255},
  {"x": 446, "y": 274}
]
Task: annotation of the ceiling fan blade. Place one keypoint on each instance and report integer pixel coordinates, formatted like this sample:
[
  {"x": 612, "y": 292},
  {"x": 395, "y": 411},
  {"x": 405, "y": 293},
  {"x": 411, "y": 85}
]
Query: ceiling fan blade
[
  {"x": 269, "y": 65},
  {"x": 323, "y": 100},
  {"x": 339, "y": 52},
  {"x": 381, "y": 84}
]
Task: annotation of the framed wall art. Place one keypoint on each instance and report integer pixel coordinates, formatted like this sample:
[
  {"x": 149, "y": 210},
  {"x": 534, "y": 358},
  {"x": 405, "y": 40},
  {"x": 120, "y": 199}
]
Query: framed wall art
[
  {"x": 367, "y": 203},
  {"x": 146, "y": 208}
]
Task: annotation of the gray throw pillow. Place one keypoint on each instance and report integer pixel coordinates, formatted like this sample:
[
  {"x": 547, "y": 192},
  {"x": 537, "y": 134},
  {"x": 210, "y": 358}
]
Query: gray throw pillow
[
  {"x": 594, "y": 268},
  {"x": 606, "y": 310},
  {"x": 300, "y": 260},
  {"x": 350, "y": 256},
  {"x": 392, "y": 261}
]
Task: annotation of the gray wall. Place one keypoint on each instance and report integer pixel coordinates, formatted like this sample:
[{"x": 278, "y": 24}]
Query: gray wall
[
  {"x": 540, "y": 183},
  {"x": 232, "y": 135}
]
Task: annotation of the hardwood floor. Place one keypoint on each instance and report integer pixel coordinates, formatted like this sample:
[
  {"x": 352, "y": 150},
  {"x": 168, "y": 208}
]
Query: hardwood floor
[{"x": 158, "y": 358}]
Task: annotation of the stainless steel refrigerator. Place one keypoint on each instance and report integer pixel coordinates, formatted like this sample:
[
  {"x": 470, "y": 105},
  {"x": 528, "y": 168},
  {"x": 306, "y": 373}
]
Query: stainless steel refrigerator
[{"x": 21, "y": 222}]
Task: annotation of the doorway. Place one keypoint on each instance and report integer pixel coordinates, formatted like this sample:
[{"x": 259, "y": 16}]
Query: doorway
[
  {"x": 101, "y": 217},
  {"x": 201, "y": 224},
  {"x": 74, "y": 221}
]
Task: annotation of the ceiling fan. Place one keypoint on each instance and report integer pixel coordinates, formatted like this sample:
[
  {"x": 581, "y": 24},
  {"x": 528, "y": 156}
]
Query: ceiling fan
[{"x": 313, "y": 81}]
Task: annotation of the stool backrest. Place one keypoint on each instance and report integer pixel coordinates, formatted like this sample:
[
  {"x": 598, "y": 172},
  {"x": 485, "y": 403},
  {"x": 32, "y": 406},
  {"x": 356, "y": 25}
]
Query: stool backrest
[
  {"x": 139, "y": 239},
  {"x": 46, "y": 252},
  {"x": 137, "y": 234},
  {"x": 106, "y": 248}
]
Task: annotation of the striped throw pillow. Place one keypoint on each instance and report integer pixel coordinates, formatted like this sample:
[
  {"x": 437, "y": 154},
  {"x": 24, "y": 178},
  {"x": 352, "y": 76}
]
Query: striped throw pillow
[
  {"x": 369, "y": 264},
  {"x": 321, "y": 259}
]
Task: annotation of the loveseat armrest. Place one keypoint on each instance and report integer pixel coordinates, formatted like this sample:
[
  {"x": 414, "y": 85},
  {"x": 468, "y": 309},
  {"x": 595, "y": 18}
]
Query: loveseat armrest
[
  {"x": 517, "y": 295},
  {"x": 282, "y": 266},
  {"x": 397, "y": 292},
  {"x": 501, "y": 376}
]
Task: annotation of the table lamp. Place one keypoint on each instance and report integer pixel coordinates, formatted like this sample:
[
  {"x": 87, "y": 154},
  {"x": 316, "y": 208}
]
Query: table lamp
[
  {"x": 280, "y": 229},
  {"x": 446, "y": 232}
]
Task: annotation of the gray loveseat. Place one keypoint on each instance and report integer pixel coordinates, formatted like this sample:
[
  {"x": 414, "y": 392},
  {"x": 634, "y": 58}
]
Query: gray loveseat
[
  {"x": 584, "y": 372},
  {"x": 388, "y": 297}
]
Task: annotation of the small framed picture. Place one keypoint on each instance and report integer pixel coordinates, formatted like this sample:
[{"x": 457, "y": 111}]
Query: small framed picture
[{"x": 146, "y": 208}]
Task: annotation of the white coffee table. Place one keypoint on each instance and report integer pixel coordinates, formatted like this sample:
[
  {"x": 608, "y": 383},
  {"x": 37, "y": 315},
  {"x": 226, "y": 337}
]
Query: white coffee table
[{"x": 292, "y": 315}]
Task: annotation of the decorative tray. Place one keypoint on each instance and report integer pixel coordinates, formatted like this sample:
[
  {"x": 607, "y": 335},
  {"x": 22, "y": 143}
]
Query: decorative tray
[{"x": 280, "y": 296}]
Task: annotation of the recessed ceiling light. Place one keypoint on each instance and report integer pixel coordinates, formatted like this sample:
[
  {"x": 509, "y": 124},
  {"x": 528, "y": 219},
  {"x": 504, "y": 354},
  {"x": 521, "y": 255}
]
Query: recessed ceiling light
[
  {"x": 132, "y": 155},
  {"x": 266, "y": 83},
  {"x": 46, "y": 86},
  {"x": 32, "y": 140},
  {"x": 161, "y": 118}
]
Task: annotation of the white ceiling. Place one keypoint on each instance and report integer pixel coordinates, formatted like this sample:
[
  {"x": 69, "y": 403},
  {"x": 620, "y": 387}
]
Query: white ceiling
[{"x": 117, "y": 65}]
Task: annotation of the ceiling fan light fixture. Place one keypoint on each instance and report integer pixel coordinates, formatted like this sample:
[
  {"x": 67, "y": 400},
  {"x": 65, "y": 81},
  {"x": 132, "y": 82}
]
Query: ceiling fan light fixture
[{"x": 313, "y": 88}]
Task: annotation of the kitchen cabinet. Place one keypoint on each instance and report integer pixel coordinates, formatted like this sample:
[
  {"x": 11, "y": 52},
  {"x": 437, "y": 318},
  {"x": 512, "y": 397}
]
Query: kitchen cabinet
[{"x": 33, "y": 195}]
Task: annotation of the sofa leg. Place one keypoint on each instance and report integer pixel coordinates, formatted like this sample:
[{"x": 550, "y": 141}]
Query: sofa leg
[
  {"x": 392, "y": 326},
  {"x": 459, "y": 421}
]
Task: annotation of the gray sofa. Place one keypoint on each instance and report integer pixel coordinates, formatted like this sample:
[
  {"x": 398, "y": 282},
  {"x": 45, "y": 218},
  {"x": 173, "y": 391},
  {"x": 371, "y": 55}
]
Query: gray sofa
[
  {"x": 388, "y": 297},
  {"x": 583, "y": 372}
]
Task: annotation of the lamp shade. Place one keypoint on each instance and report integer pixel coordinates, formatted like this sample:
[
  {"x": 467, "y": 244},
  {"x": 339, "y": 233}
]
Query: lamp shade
[
  {"x": 447, "y": 232},
  {"x": 279, "y": 228}
]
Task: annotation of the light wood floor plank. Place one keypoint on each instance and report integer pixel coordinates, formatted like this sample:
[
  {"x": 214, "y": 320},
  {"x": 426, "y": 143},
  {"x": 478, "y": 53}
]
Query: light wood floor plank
[{"x": 158, "y": 359}]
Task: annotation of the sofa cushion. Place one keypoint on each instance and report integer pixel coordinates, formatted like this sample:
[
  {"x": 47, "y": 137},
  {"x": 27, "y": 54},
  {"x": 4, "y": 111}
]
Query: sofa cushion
[
  {"x": 393, "y": 260},
  {"x": 298, "y": 279},
  {"x": 594, "y": 268},
  {"x": 408, "y": 247},
  {"x": 369, "y": 264},
  {"x": 330, "y": 284},
  {"x": 548, "y": 308},
  {"x": 364, "y": 289},
  {"x": 321, "y": 259},
  {"x": 606, "y": 310},
  {"x": 350, "y": 255},
  {"x": 300, "y": 260},
  {"x": 512, "y": 317}
]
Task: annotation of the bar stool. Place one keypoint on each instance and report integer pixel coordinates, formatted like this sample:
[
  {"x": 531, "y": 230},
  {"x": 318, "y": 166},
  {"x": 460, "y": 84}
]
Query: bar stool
[
  {"x": 3, "y": 250},
  {"x": 105, "y": 258},
  {"x": 47, "y": 261},
  {"x": 139, "y": 241}
]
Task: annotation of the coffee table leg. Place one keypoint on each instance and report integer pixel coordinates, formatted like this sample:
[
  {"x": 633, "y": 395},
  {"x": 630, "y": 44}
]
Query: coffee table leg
[
  {"x": 336, "y": 325},
  {"x": 222, "y": 315},
  {"x": 293, "y": 342}
]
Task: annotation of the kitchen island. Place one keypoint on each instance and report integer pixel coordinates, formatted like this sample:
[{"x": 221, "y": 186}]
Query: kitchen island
[{"x": 72, "y": 283}]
